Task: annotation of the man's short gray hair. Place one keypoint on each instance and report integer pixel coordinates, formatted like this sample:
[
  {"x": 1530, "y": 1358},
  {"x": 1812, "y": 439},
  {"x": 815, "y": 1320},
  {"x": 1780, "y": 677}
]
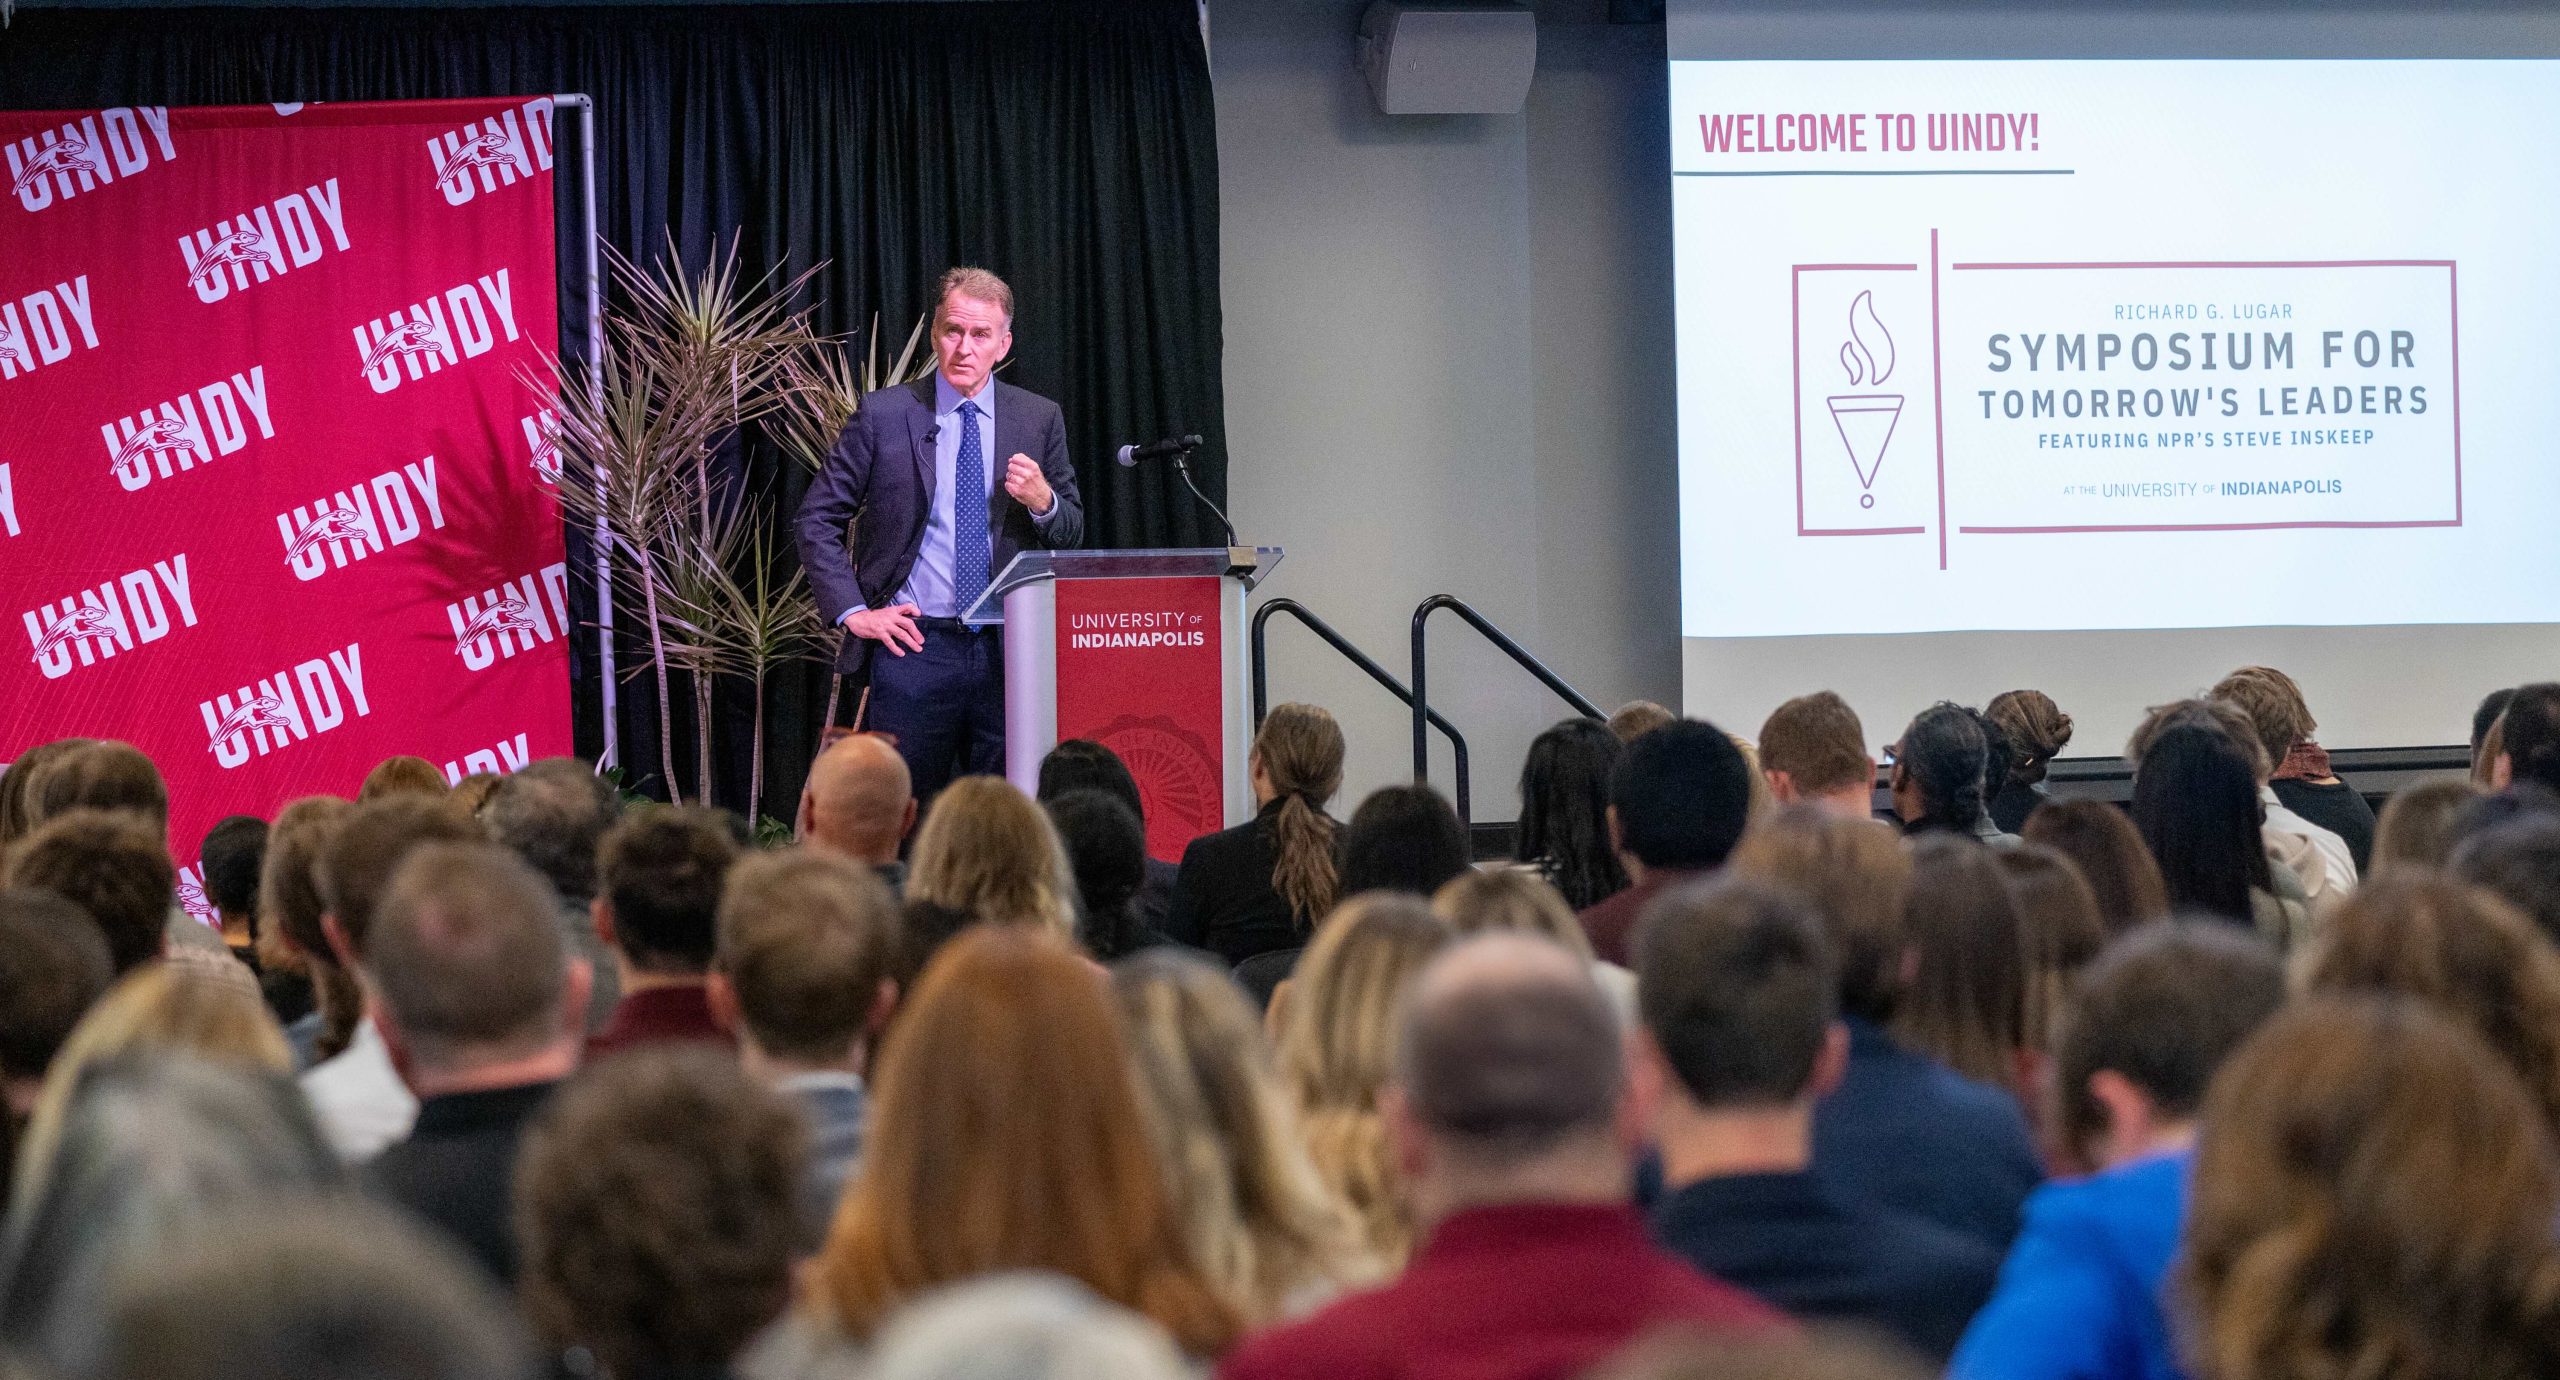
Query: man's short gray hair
[
  {"x": 1509, "y": 1048},
  {"x": 554, "y": 813},
  {"x": 977, "y": 283}
]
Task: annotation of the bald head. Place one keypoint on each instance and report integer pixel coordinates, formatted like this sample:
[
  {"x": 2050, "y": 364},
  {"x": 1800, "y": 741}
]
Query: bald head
[
  {"x": 858, "y": 801},
  {"x": 1508, "y": 1049}
]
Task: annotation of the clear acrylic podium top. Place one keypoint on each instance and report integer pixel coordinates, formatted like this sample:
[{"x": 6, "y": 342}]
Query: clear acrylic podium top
[{"x": 1248, "y": 564}]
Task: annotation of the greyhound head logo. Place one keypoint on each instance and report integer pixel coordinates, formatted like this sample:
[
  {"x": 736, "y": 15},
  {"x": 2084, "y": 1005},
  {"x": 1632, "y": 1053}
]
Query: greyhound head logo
[
  {"x": 69, "y": 154},
  {"x": 415, "y": 336},
  {"x": 244, "y": 246},
  {"x": 490, "y": 148},
  {"x": 505, "y": 616},
  {"x": 264, "y": 711},
  {"x": 337, "y": 524},
  {"x": 191, "y": 898},
  {"x": 16, "y": 349},
  {"x": 86, "y": 621},
  {"x": 152, "y": 437}
]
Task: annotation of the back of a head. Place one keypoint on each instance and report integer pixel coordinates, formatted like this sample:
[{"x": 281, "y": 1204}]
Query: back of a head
[
  {"x": 805, "y": 941},
  {"x": 2530, "y": 731},
  {"x": 19, "y": 809},
  {"x": 467, "y": 957},
  {"x": 1856, "y": 875},
  {"x": 1005, "y": 1131},
  {"x": 860, "y": 797},
  {"x": 1337, "y": 1034},
  {"x": 2058, "y": 926},
  {"x": 1106, "y": 847},
  {"x": 2372, "y": 1195},
  {"x": 657, "y": 1206},
  {"x": 2162, "y": 1007},
  {"x": 990, "y": 852},
  {"x": 2038, "y": 731},
  {"x": 1021, "y": 1326},
  {"x": 1999, "y": 755},
  {"x": 2492, "y": 707},
  {"x": 661, "y": 871},
  {"x": 403, "y": 775},
  {"x": 105, "y": 775},
  {"x": 2277, "y": 716},
  {"x": 1483, "y": 900},
  {"x": 2416, "y": 828},
  {"x": 2195, "y": 801},
  {"x": 1966, "y": 1001},
  {"x": 53, "y": 966},
  {"x": 1081, "y": 764},
  {"x": 1300, "y": 749},
  {"x": 1507, "y": 1051},
  {"x": 2471, "y": 956},
  {"x": 1682, "y": 795},
  {"x": 111, "y": 863},
  {"x": 2102, "y": 842},
  {"x": 311, "y": 1290},
  {"x": 2518, "y": 859},
  {"x": 289, "y": 895},
  {"x": 1564, "y": 808},
  {"x": 368, "y": 846},
  {"x": 1637, "y": 718},
  {"x": 233, "y": 854},
  {"x": 1945, "y": 754},
  {"x": 1817, "y": 741},
  {"x": 1737, "y": 987},
  {"x": 1403, "y": 838},
  {"x": 554, "y": 813}
]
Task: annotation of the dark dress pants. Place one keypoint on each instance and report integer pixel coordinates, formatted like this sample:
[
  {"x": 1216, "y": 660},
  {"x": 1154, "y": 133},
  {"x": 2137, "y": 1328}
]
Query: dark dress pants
[{"x": 944, "y": 704}]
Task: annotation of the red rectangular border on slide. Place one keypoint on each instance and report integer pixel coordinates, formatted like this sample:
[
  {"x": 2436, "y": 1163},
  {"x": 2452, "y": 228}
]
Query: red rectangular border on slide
[
  {"x": 1795, "y": 368},
  {"x": 2453, "y": 299}
]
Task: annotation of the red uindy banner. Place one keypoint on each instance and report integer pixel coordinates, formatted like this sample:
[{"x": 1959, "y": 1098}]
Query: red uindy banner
[
  {"x": 274, "y": 494},
  {"x": 1139, "y": 672}
]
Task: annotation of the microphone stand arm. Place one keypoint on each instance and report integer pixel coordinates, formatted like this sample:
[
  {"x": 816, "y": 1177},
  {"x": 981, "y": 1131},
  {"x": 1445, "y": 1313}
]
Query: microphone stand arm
[{"x": 1182, "y": 466}]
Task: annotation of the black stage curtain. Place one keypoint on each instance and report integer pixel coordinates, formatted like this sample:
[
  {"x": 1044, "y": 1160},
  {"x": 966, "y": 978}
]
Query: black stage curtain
[{"x": 1070, "y": 145}]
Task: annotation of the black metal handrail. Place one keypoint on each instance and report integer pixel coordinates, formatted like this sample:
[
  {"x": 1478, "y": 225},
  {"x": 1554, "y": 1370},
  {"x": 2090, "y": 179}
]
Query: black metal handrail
[
  {"x": 1422, "y": 711},
  {"x": 1261, "y": 687}
]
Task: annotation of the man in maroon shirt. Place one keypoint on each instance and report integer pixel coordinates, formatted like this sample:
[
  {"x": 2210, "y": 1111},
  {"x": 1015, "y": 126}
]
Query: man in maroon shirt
[
  {"x": 1514, "y": 1135},
  {"x": 1678, "y": 802},
  {"x": 659, "y": 878}
]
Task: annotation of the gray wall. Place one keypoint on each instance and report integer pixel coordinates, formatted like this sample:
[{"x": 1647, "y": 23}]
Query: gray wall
[{"x": 1448, "y": 370}]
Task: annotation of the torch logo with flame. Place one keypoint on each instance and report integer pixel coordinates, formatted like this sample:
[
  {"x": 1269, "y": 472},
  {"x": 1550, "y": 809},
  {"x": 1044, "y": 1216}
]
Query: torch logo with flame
[{"x": 1866, "y": 420}]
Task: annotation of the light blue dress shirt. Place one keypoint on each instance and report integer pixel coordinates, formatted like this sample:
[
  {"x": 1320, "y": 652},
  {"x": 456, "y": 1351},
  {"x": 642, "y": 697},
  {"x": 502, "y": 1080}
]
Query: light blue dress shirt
[{"x": 929, "y": 585}]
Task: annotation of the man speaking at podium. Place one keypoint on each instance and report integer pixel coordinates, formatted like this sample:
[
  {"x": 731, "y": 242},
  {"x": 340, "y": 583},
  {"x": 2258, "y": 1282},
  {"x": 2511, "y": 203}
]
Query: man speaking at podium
[{"x": 951, "y": 477}]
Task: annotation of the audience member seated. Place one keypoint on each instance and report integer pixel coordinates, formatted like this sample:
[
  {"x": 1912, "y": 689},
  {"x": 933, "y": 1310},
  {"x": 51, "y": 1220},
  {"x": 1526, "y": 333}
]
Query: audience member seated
[
  {"x": 1636, "y": 718},
  {"x": 801, "y": 978},
  {"x": 150, "y": 1145},
  {"x": 2195, "y": 801},
  {"x": 112, "y": 864},
  {"x": 482, "y": 1011},
  {"x": 1007, "y": 1133},
  {"x": 2037, "y": 731},
  {"x": 1738, "y": 991},
  {"x": 198, "y": 1007},
  {"x": 2529, "y": 752},
  {"x": 2464, "y": 952},
  {"x": 2103, "y": 844},
  {"x": 20, "y": 810},
  {"x": 1506, "y": 899},
  {"x": 1021, "y": 1325},
  {"x": 2372, "y": 1197},
  {"x": 2061, "y": 934},
  {"x": 860, "y": 802},
  {"x": 2493, "y": 707},
  {"x": 402, "y": 775},
  {"x": 2489, "y": 764},
  {"x": 289, "y": 898},
  {"x": 101, "y": 774},
  {"x": 2281, "y": 724},
  {"x": 1253, "y": 1213},
  {"x": 1763, "y": 804},
  {"x": 308, "y": 1290},
  {"x": 659, "y": 1201},
  {"x": 362, "y": 1101},
  {"x": 53, "y": 968},
  {"x": 1564, "y": 812},
  {"x": 1261, "y": 886},
  {"x": 657, "y": 909},
  {"x": 1901, "y": 1130},
  {"x": 2082, "y": 1291},
  {"x": 471, "y": 794},
  {"x": 2519, "y": 859},
  {"x": 986, "y": 855},
  {"x": 1403, "y": 838},
  {"x": 1678, "y": 802},
  {"x": 1813, "y": 751},
  {"x": 1081, "y": 764},
  {"x": 233, "y": 852},
  {"x": 1106, "y": 847},
  {"x": 1335, "y": 1033},
  {"x": 555, "y": 813},
  {"x": 1965, "y": 992},
  {"x": 2416, "y": 829},
  {"x": 1514, "y": 1127},
  {"x": 1936, "y": 774}
]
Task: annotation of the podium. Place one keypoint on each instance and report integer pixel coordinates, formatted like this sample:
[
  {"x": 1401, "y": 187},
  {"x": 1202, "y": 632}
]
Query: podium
[{"x": 1144, "y": 652}]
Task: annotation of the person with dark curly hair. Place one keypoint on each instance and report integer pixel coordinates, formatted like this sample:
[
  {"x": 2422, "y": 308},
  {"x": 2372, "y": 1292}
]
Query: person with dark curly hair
[
  {"x": 2037, "y": 730},
  {"x": 657, "y": 909}
]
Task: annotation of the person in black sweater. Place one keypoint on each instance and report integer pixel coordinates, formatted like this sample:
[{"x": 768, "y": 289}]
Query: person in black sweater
[
  {"x": 1081, "y": 764},
  {"x": 2037, "y": 729},
  {"x": 1261, "y": 886},
  {"x": 1403, "y": 838}
]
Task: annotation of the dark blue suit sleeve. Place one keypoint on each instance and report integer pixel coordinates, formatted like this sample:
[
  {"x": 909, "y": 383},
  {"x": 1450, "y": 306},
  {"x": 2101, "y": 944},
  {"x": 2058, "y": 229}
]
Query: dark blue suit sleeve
[
  {"x": 1065, "y": 527},
  {"x": 842, "y": 486}
]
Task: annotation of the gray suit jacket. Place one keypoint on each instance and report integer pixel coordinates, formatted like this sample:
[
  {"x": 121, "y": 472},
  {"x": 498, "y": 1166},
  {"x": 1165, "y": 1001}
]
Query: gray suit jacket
[{"x": 879, "y": 477}]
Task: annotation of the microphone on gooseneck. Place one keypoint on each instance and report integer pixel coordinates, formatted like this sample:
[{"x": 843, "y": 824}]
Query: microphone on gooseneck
[{"x": 1171, "y": 445}]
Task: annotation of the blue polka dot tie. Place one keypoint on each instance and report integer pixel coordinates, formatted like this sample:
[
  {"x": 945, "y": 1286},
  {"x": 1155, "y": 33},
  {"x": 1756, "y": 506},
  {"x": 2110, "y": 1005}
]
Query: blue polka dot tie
[{"x": 970, "y": 555}]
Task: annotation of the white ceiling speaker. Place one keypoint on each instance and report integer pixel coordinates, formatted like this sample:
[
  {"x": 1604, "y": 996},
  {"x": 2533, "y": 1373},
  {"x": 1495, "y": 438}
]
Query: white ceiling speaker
[{"x": 1448, "y": 59}]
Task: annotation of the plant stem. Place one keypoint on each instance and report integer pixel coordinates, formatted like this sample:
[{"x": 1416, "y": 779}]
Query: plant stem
[{"x": 658, "y": 663}]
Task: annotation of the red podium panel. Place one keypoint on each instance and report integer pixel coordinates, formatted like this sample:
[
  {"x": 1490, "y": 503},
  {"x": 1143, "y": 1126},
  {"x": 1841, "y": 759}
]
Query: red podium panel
[{"x": 1140, "y": 671}]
